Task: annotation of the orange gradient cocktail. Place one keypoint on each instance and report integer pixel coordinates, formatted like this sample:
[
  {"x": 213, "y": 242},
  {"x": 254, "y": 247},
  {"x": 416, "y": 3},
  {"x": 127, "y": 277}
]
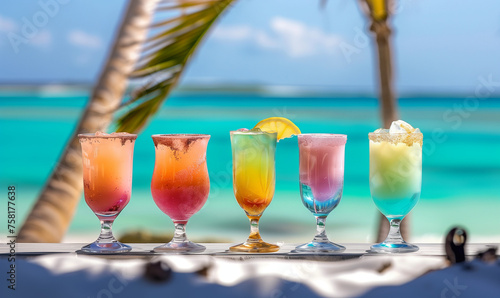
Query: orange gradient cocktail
[
  {"x": 107, "y": 182},
  {"x": 180, "y": 184}
]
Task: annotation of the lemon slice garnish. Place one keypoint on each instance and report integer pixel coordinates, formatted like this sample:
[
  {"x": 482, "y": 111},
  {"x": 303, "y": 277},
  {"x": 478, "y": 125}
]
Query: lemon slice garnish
[{"x": 284, "y": 127}]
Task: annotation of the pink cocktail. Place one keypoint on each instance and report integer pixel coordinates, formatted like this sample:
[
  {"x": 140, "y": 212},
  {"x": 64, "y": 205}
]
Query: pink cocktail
[
  {"x": 107, "y": 183},
  {"x": 322, "y": 166},
  {"x": 321, "y": 170},
  {"x": 180, "y": 184}
]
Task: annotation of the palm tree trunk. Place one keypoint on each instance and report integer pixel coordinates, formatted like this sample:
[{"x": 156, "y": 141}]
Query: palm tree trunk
[
  {"x": 388, "y": 105},
  {"x": 377, "y": 12},
  {"x": 52, "y": 213}
]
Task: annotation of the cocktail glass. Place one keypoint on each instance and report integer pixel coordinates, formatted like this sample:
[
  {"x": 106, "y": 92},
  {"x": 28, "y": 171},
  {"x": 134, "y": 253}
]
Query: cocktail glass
[
  {"x": 395, "y": 182},
  {"x": 107, "y": 181},
  {"x": 253, "y": 182},
  {"x": 321, "y": 170},
  {"x": 180, "y": 184}
]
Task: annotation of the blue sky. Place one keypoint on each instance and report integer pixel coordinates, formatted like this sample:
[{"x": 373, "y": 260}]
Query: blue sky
[{"x": 440, "y": 46}]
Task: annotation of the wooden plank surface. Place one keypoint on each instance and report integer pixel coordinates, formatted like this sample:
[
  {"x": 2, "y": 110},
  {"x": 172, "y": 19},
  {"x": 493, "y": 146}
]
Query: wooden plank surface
[{"x": 144, "y": 250}]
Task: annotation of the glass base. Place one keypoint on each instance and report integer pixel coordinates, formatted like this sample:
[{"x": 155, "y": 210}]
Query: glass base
[
  {"x": 399, "y": 247},
  {"x": 106, "y": 248},
  {"x": 255, "y": 247},
  {"x": 319, "y": 247},
  {"x": 179, "y": 247}
]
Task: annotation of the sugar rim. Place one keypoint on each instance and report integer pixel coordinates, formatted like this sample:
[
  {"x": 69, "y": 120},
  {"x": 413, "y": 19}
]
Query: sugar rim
[
  {"x": 322, "y": 139},
  {"x": 180, "y": 135},
  {"x": 397, "y": 138},
  {"x": 396, "y": 134},
  {"x": 323, "y": 135},
  {"x": 249, "y": 132},
  {"x": 107, "y": 136}
]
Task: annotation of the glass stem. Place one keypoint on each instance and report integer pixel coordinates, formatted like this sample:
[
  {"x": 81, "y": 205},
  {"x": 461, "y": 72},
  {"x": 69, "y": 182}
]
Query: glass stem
[
  {"x": 106, "y": 235},
  {"x": 320, "y": 230},
  {"x": 254, "y": 230},
  {"x": 394, "y": 232},
  {"x": 180, "y": 233}
]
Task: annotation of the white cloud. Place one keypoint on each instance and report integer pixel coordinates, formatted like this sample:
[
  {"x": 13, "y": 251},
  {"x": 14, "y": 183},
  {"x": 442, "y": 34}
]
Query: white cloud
[
  {"x": 7, "y": 25},
  {"x": 294, "y": 38},
  {"x": 301, "y": 40},
  {"x": 83, "y": 39},
  {"x": 232, "y": 33},
  {"x": 42, "y": 39},
  {"x": 265, "y": 40}
]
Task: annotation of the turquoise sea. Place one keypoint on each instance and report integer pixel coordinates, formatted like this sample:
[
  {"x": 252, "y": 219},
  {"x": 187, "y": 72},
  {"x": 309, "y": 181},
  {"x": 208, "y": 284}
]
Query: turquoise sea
[{"x": 461, "y": 163}]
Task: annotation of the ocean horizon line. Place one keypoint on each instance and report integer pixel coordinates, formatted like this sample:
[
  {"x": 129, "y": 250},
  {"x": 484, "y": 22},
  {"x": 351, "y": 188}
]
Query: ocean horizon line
[{"x": 277, "y": 91}]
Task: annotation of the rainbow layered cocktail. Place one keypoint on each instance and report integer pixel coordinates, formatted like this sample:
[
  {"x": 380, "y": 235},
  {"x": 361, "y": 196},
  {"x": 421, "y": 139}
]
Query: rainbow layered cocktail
[
  {"x": 253, "y": 181},
  {"x": 254, "y": 175}
]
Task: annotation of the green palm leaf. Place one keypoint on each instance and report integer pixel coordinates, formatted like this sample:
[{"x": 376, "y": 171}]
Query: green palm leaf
[{"x": 166, "y": 54}]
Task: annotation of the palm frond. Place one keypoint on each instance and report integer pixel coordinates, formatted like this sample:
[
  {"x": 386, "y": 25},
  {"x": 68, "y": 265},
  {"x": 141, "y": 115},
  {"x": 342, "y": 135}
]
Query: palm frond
[{"x": 166, "y": 54}]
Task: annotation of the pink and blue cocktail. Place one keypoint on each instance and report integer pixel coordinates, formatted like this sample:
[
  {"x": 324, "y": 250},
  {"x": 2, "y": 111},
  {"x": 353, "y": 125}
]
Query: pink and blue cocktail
[{"x": 321, "y": 158}]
